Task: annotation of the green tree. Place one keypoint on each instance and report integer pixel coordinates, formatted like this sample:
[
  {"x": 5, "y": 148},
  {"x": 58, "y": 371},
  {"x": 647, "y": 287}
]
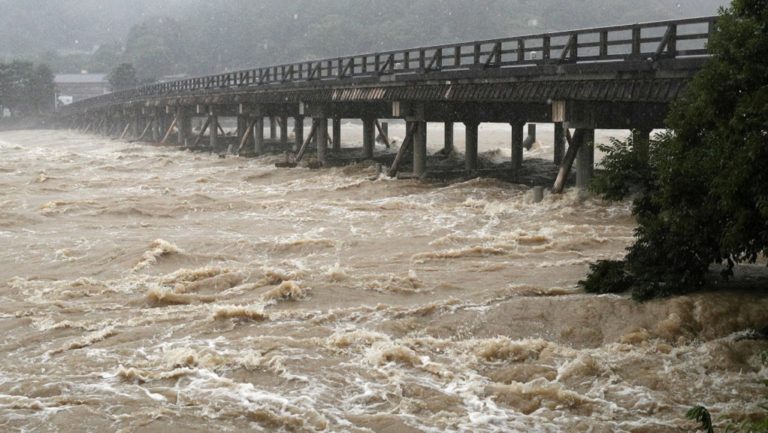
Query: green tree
[
  {"x": 706, "y": 199},
  {"x": 106, "y": 57},
  {"x": 123, "y": 77},
  {"x": 42, "y": 91},
  {"x": 26, "y": 89},
  {"x": 156, "y": 48}
]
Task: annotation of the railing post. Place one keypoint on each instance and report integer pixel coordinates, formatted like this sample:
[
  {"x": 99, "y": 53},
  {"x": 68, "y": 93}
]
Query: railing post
[
  {"x": 575, "y": 48},
  {"x": 521, "y": 50},
  {"x": 478, "y": 50},
  {"x": 636, "y": 41},
  {"x": 547, "y": 48},
  {"x": 604, "y": 44},
  {"x": 457, "y": 56}
]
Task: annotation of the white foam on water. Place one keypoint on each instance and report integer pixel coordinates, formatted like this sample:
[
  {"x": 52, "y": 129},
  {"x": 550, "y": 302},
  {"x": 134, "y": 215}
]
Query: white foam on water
[{"x": 323, "y": 301}]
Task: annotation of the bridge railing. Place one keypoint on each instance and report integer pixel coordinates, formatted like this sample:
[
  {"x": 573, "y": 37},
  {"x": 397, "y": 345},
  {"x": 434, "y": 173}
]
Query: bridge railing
[{"x": 647, "y": 41}]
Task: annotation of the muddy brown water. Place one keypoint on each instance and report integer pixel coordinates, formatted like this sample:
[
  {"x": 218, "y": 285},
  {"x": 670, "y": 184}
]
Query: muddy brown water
[{"x": 145, "y": 289}]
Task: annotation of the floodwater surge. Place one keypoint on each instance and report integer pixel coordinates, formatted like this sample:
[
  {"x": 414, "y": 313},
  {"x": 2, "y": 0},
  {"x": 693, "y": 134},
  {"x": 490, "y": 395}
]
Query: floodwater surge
[{"x": 146, "y": 289}]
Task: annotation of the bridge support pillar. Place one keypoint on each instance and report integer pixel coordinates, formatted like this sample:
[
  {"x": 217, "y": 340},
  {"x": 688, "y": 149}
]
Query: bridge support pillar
[
  {"x": 298, "y": 132},
  {"x": 155, "y": 128},
  {"x": 272, "y": 128},
  {"x": 214, "y": 131},
  {"x": 322, "y": 138},
  {"x": 139, "y": 123},
  {"x": 517, "y": 147},
  {"x": 242, "y": 125},
  {"x": 163, "y": 126},
  {"x": 184, "y": 124},
  {"x": 162, "y": 123},
  {"x": 314, "y": 137},
  {"x": 641, "y": 140},
  {"x": 530, "y": 140},
  {"x": 385, "y": 134},
  {"x": 284, "y": 131},
  {"x": 559, "y": 143},
  {"x": 448, "y": 146},
  {"x": 258, "y": 136},
  {"x": 420, "y": 149},
  {"x": 470, "y": 152},
  {"x": 369, "y": 137},
  {"x": 585, "y": 159},
  {"x": 336, "y": 134}
]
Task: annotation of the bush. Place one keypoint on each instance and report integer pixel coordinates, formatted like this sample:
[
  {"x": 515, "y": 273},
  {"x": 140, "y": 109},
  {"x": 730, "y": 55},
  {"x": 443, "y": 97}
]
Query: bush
[{"x": 607, "y": 276}]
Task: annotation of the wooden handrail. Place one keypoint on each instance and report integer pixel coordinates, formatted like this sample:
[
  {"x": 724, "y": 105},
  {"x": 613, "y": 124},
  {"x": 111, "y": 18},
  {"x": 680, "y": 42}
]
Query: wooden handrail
[{"x": 582, "y": 45}]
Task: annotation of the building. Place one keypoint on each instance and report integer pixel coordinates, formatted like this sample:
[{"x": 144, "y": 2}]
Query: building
[{"x": 76, "y": 87}]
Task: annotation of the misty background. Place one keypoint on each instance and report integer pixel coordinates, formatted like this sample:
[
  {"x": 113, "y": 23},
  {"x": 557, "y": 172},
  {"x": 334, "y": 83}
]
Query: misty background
[{"x": 167, "y": 37}]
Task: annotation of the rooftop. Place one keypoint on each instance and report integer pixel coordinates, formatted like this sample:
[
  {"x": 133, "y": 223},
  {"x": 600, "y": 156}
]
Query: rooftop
[{"x": 80, "y": 78}]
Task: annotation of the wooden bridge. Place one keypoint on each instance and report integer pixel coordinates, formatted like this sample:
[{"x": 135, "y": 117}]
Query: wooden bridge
[{"x": 620, "y": 77}]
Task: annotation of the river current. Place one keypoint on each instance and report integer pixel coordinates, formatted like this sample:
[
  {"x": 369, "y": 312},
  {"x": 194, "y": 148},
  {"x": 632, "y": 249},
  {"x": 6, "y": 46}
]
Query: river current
[{"x": 147, "y": 289}]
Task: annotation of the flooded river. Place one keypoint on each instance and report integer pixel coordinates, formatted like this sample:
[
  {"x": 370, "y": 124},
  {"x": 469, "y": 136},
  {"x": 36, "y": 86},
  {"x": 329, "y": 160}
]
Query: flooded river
[{"x": 146, "y": 289}]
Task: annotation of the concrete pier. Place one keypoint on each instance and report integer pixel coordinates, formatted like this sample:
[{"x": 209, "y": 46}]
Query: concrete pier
[
  {"x": 420, "y": 149},
  {"x": 470, "y": 159},
  {"x": 585, "y": 165},
  {"x": 641, "y": 139},
  {"x": 322, "y": 139},
  {"x": 272, "y": 128},
  {"x": 284, "y": 131},
  {"x": 369, "y": 137},
  {"x": 336, "y": 139},
  {"x": 448, "y": 143},
  {"x": 298, "y": 131},
  {"x": 559, "y": 143},
  {"x": 214, "y": 131},
  {"x": 258, "y": 136},
  {"x": 517, "y": 147}
]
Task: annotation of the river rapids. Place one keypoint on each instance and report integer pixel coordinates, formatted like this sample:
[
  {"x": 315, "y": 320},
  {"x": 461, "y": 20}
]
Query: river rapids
[{"x": 147, "y": 289}]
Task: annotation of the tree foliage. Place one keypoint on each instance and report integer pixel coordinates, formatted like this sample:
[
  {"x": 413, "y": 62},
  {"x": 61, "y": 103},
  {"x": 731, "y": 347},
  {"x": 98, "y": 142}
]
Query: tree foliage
[
  {"x": 123, "y": 77},
  {"x": 156, "y": 48},
  {"x": 704, "y": 190},
  {"x": 25, "y": 88},
  {"x": 701, "y": 415}
]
